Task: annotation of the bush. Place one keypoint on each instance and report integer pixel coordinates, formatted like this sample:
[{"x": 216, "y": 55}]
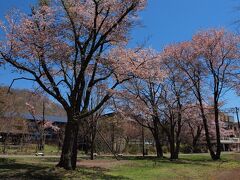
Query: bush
[
  {"x": 186, "y": 148},
  {"x": 132, "y": 149},
  {"x": 165, "y": 149},
  {"x": 151, "y": 150}
]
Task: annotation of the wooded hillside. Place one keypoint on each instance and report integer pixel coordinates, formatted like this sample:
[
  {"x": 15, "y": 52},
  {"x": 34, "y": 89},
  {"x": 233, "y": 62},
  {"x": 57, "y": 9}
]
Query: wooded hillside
[{"x": 15, "y": 102}]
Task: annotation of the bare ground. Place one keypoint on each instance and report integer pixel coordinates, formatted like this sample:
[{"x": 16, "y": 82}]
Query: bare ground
[{"x": 233, "y": 174}]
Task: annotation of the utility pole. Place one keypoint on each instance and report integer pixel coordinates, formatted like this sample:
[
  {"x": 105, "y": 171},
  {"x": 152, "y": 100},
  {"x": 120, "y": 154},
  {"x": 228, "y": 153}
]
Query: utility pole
[{"x": 237, "y": 110}]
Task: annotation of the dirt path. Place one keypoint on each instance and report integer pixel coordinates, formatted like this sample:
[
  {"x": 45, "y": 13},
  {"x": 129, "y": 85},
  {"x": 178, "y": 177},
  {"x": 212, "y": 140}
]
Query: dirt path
[{"x": 233, "y": 174}]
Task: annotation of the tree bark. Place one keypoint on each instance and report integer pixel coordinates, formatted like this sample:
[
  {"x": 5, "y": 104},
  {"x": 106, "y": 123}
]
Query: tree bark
[
  {"x": 205, "y": 125},
  {"x": 172, "y": 147},
  {"x": 219, "y": 146},
  {"x": 93, "y": 143},
  {"x": 158, "y": 143},
  {"x": 159, "y": 149},
  {"x": 208, "y": 140},
  {"x": 68, "y": 158},
  {"x": 196, "y": 139}
]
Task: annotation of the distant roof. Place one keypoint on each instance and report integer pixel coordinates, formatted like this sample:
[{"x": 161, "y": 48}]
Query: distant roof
[{"x": 60, "y": 119}]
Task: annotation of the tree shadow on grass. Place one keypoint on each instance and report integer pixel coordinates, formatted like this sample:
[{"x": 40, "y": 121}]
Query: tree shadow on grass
[
  {"x": 202, "y": 161},
  {"x": 98, "y": 173},
  {"x": 26, "y": 171},
  {"x": 10, "y": 169}
]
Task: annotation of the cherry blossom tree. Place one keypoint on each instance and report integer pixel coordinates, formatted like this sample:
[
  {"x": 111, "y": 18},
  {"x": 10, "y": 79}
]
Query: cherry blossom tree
[
  {"x": 193, "y": 127},
  {"x": 175, "y": 97},
  {"x": 209, "y": 62},
  {"x": 141, "y": 96},
  {"x": 41, "y": 126},
  {"x": 68, "y": 47}
]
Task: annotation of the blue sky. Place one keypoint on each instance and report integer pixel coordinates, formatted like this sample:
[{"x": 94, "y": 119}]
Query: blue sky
[{"x": 163, "y": 22}]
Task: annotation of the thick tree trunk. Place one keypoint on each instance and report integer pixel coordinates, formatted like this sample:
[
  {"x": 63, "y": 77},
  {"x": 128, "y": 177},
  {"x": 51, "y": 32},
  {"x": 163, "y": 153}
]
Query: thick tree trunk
[
  {"x": 69, "y": 150},
  {"x": 158, "y": 145},
  {"x": 159, "y": 149},
  {"x": 176, "y": 153},
  {"x": 174, "y": 142},
  {"x": 172, "y": 148},
  {"x": 155, "y": 132}
]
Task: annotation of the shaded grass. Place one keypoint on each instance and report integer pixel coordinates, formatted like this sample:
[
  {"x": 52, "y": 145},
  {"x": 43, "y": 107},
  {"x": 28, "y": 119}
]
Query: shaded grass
[{"x": 43, "y": 168}]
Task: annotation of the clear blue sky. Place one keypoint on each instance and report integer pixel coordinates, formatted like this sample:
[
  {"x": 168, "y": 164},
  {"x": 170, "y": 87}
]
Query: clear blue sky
[{"x": 163, "y": 22}]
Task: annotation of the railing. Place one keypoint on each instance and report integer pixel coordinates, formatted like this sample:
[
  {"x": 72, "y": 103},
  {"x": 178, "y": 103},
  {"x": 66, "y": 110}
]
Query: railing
[{"x": 230, "y": 140}]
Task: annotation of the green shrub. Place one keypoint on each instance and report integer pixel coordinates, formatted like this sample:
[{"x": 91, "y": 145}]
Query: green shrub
[
  {"x": 185, "y": 148},
  {"x": 165, "y": 149},
  {"x": 133, "y": 149}
]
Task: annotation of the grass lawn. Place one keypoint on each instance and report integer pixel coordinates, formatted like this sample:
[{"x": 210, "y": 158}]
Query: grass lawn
[{"x": 197, "y": 166}]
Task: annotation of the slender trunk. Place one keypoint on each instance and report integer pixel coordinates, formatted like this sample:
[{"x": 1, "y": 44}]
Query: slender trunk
[
  {"x": 219, "y": 146},
  {"x": 172, "y": 148},
  {"x": 69, "y": 149},
  {"x": 171, "y": 137},
  {"x": 179, "y": 129},
  {"x": 92, "y": 150},
  {"x": 92, "y": 143},
  {"x": 143, "y": 142},
  {"x": 41, "y": 143},
  {"x": 5, "y": 144},
  {"x": 209, "y": 145},
  {"x": 113, "y": 137},
  {"x": 207, "y": 135},
  {"x": 196, "y": 139}
]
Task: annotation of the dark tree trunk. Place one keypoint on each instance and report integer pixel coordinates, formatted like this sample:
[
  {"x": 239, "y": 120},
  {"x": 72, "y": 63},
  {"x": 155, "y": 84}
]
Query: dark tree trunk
[
  {"x": 155, "y": 132},
  {"x": 92, "y": 150},
  {"x": 113, "y": 137},
  {"x": 179, "y": 129},
  {"x": 5, "y": 144},
  {"x": 93, "y": 143},
  {"x": 143, "y": 142},
  {"x": 69, "y": 150},
  {"x": 174, "y": 141},
  {"x": 159, "y": 149},
  {"x": 174, "y": 149},
  {"x": 219, "y": 146},
  {"x": 196, "y": 139},
  {"x": 205, "y": 125},
  {"x": 158, "y": 145},
  {"x": 176, "y": 153},
  {"x": 171, "y": 139},
  {"x": 208, "y": 140}
]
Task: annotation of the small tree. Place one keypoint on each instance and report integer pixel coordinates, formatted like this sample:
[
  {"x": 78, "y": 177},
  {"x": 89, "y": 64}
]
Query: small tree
[
  {"x": 41, "y": 126},
  {"x": 193, "y": 127}
]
